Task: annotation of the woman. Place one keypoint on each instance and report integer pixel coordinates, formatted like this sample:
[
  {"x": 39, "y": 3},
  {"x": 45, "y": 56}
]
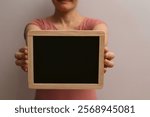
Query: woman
[{"x": 65, "y": 17}]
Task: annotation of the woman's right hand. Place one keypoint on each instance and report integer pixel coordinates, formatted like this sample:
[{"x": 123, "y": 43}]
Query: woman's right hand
[{"x": 22, "y": 58}]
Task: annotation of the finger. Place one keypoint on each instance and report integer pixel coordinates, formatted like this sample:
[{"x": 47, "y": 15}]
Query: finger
[
  {"x": 24, "y": 50},
  {"x": 20, "y": 56},
  {"x": 20, "y": 62},
  {"x": 108, "y": 63},
  {"x": 24, "y": 68},
  {"x": 105, "y": 66},
  {"x": 26, "y": 57},
  {"x": 21, "y": 49},
  {"x": 26, "y": 62},
  {"x": 105, "y": 49},
  {"x": 109, "y": 55}
]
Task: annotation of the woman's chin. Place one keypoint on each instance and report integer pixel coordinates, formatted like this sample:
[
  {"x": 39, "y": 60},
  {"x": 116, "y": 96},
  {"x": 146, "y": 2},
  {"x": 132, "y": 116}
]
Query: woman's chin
[
  {"x": 65, "y": 9},
  {"x": 64, "y": 5}
]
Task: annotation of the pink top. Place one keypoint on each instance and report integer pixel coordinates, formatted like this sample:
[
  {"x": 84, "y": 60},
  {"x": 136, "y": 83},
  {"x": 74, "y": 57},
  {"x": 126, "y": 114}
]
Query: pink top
[{"x": 86, "y": 24}]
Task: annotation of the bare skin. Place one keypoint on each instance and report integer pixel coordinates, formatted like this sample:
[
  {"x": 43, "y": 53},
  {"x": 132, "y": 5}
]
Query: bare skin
[{"x": 65, "y": 18}]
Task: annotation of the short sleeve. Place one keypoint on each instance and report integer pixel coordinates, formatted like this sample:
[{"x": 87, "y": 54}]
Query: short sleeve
[
  {"x": 37, "y": 22},
  {"x": 91, "y": 23}
]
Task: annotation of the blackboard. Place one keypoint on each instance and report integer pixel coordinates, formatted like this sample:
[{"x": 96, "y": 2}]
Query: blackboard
[{"x": 65, "y": 59}]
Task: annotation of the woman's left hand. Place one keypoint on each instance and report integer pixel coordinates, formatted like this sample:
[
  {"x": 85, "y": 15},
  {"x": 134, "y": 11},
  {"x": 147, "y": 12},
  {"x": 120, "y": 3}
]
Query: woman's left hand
[{"x": 108, "y": 57}]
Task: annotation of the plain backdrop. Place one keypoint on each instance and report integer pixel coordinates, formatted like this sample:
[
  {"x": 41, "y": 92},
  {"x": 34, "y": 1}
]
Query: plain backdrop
[{"x": 129, "y": 37}]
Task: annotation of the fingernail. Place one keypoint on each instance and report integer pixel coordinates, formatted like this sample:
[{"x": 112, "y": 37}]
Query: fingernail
[{"x": 26, "y": 51}]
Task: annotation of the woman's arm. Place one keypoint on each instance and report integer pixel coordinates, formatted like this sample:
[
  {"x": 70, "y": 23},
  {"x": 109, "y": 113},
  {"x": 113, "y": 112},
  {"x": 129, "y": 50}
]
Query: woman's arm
[
  {"x": 102, "y": 27},
  {"x": 30, "y": 27},
  {"x": 22, "y": 54},
  {"x": 108, "y": 55}
]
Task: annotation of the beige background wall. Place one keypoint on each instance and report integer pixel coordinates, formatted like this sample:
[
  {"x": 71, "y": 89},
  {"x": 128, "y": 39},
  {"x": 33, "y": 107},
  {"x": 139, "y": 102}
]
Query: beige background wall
[{"x": 129, "y": 38}]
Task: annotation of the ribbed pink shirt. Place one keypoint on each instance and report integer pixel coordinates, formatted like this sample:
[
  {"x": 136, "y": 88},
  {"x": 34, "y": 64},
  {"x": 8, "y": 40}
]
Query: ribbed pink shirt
[{"x": 86, "y": 24}]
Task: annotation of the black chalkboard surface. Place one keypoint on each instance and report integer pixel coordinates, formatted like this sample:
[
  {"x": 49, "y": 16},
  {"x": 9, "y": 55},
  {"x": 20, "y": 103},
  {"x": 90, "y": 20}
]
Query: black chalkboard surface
[{"x": 65, "y": 59}]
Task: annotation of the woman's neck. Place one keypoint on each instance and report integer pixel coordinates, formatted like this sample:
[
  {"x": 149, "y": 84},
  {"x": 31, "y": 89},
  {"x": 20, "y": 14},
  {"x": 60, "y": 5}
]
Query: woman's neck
[{"x": 67, "y": 19}]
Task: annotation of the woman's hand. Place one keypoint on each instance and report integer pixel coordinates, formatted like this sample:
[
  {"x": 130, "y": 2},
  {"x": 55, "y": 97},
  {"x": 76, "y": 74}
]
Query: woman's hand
[
  {"x": 22, "y": 58},
  {"x": 108, "y": 57}
]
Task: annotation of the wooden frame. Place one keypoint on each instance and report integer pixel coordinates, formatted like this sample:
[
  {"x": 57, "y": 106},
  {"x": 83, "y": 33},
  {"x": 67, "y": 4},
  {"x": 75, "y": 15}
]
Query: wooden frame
[{"x": 90, "y": 33}]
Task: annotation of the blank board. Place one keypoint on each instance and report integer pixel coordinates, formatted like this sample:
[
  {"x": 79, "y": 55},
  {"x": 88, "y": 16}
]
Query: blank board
[{"x": 65, "y": 59}]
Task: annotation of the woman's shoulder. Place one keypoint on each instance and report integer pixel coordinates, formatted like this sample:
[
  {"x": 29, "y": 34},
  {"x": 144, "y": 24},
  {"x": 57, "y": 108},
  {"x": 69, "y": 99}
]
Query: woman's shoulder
[
  {"x": 42, "y": 23},
  {"x": 95, "y": 20},
  {"x": 90, "y": 23},
  {"x": 39, "y": 22}
]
